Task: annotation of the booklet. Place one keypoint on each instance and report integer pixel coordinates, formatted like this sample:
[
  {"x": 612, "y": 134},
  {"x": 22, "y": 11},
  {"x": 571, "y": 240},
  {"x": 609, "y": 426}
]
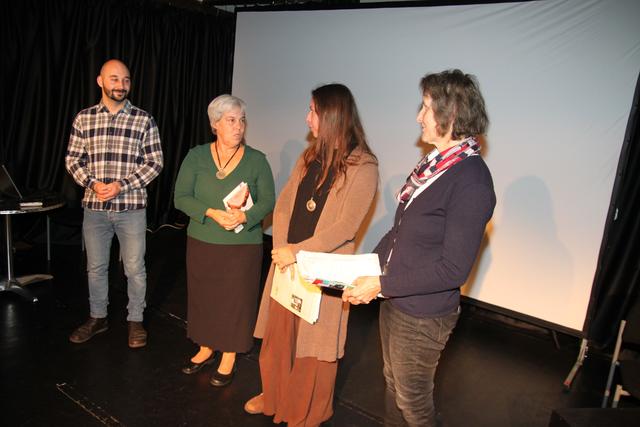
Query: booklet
[
  {"x": 336, "y": 271},
  {"x": 295, "y": 294},
  {"x": 239, "y": 198}
]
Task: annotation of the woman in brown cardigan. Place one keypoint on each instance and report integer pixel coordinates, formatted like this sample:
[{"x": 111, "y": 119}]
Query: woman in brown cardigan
[{"x": 320, "y": 209}]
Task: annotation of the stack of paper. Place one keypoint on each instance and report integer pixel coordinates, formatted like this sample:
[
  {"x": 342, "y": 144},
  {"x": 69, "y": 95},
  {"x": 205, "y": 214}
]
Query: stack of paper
[{"x": 335, "y": 270}]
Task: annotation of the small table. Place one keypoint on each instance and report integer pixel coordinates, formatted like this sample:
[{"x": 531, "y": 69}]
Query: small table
[{"x": 16, "y": 284}]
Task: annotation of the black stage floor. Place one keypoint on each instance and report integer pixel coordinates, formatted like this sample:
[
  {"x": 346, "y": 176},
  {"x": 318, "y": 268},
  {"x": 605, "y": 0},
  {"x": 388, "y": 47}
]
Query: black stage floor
[{"x": 491, "y": 374}]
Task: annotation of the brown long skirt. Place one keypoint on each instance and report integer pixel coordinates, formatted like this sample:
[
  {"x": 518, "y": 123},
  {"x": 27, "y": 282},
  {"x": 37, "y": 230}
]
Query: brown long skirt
[
  {"x": 296, "y": 390},
  {"x": 223, "y": 282}
]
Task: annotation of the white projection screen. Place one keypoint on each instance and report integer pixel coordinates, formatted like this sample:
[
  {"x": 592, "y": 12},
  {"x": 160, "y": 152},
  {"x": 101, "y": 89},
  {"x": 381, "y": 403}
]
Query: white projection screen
[{"x": 558, "y": 78}]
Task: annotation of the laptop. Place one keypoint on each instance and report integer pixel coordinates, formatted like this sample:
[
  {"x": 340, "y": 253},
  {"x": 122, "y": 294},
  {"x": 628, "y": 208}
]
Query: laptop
[{"x": 9, "y": 190}]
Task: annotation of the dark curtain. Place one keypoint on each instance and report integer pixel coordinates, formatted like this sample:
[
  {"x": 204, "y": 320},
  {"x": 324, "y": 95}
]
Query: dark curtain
[
  {"x": 617, "y": 280},
  {"x": 52, "y": 52}
]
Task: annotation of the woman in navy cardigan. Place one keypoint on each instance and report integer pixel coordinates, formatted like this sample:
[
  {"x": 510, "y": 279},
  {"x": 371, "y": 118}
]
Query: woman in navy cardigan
[{"x": 443, "y": 210}]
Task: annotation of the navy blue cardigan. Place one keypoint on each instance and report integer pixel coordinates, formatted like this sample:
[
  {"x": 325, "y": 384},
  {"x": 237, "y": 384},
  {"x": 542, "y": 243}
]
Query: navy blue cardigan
[{"x": 437, "y": 240}]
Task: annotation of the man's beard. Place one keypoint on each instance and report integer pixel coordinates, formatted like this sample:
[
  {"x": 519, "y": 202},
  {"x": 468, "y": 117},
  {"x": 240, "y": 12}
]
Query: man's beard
[{"x": 117, "y": 95}]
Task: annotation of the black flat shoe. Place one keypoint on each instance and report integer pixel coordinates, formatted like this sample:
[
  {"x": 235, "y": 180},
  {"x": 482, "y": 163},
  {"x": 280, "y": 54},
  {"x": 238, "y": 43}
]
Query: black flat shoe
[
  {"x": 193, "y": 367},
  {"x": 221, "y": 380}
]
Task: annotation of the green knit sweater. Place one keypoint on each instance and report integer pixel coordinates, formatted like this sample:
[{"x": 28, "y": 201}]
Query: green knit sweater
[{"x": 198, "y": 189}]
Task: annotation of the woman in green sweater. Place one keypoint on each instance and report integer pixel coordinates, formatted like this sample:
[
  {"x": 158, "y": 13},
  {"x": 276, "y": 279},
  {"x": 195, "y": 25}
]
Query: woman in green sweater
[{"x": 224, "y": 243}]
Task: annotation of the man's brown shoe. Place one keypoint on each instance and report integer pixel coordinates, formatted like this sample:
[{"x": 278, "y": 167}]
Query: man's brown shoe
[
  {"x": 89, "y": 329},
  {"x": 137, "y": 335},
  {"x": 255, "y": 405}
]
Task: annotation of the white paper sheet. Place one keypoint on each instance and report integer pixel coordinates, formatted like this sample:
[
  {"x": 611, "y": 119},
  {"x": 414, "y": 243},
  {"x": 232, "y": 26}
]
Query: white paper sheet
[{"x": 336, "y": 270}]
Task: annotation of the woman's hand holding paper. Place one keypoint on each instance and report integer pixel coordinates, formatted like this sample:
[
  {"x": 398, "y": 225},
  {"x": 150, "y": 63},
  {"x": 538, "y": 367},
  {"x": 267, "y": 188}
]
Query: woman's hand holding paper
[
  {"x": 225, "y": 219},
  {"x": 366, "y": 289},
  {"x": 283, "y": 257},
  {"x": 237, "y": 216}
]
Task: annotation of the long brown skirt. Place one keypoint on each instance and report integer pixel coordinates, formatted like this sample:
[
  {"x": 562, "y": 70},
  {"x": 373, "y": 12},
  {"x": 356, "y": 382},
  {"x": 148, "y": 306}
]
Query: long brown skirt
[
  {"x": 296, "y": 390},
  {"x": 223, "y": 282}
]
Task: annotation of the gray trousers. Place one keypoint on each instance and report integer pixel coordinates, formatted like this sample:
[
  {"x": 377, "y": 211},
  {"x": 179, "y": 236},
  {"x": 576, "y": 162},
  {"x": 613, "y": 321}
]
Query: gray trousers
[{"x": 411, "y": 348}]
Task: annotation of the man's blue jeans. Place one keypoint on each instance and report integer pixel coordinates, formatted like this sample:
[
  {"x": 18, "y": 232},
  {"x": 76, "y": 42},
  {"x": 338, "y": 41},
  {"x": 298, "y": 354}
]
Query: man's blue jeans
[
  {"x": 411, "y": 348},
  {"x": 98, "y": 229}
]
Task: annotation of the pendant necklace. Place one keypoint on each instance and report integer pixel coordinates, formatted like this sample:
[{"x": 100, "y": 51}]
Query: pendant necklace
[
  {"x": 311, "y": 204},
  {"x": 221, "y": 174}
]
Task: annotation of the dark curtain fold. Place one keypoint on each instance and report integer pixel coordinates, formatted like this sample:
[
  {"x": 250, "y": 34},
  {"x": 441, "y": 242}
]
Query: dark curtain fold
[
  {"x": 617, "y": 280},
  {"x": 53, "y": 50}
]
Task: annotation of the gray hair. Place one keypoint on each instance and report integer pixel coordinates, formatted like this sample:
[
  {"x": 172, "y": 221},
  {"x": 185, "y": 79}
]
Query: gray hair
[{"x": 223, "y": 104}]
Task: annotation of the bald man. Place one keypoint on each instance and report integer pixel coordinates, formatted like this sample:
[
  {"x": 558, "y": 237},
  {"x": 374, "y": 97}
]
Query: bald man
[{"x": 114, "y": 152}]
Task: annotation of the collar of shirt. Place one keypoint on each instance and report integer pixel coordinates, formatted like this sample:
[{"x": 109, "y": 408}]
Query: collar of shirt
[{"x": 126, "y": 109}]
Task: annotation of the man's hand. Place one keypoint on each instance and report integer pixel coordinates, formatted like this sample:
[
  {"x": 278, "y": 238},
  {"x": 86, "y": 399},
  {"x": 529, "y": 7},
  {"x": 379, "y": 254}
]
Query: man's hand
[
  {"x": 112, "y": 191},
  {"x": 99, "y": 187},
  {"x": 366, "y": 289},
  {"x": 106, "y": 192}
]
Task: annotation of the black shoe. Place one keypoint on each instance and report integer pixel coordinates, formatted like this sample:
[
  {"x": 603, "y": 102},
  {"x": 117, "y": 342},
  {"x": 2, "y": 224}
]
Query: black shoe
[
  {"x": 192, "y": 367},
  {"x": 221, "y": 380}
]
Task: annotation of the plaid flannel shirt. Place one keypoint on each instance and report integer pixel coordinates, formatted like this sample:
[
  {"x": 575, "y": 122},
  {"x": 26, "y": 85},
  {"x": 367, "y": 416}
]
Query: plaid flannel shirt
[{"x": 123, "y": 147}]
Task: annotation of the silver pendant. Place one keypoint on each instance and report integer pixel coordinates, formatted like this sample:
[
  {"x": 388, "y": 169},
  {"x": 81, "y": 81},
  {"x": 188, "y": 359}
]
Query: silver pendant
[
  {"x": 221, "y": 174},
  {"x": 311, "y": 205}
]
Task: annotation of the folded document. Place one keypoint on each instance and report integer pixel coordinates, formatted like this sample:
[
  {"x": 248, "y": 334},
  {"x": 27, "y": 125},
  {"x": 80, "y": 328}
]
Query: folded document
[{"x": 295, "y": 294}]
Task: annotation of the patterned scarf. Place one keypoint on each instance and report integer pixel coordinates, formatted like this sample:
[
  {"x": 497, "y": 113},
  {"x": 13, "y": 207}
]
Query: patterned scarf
[{"x": 426, "y": 168}]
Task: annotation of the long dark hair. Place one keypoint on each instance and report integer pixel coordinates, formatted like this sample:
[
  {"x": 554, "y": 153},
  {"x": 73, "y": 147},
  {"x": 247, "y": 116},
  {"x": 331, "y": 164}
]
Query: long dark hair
[{"x": 339, "y": 132}]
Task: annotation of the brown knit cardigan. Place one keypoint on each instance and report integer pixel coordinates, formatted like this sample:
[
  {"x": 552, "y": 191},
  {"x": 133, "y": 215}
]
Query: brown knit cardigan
[{"x": 347, "y": 204}]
